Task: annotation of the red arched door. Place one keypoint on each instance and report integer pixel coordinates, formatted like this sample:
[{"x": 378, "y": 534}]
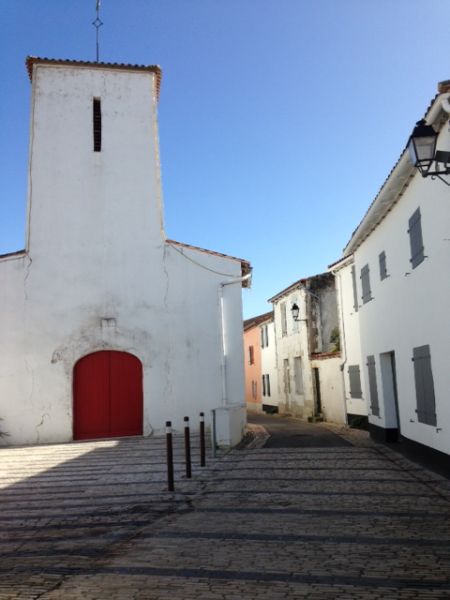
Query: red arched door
[{"x": 107, "y": 395}]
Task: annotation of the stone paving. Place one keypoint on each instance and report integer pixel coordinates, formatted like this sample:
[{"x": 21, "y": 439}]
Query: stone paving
[{"x": 92, "y": 520}]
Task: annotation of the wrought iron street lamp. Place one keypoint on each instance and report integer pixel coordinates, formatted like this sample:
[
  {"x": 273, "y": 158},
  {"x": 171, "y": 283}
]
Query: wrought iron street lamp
[
  {"x": 295, "y": 312},
  {"x": 423, "y": 153}
]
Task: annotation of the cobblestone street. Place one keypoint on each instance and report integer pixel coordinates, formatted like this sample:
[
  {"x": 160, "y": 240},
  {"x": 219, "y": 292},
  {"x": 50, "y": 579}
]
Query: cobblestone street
[{"x": 92, "y": 520}]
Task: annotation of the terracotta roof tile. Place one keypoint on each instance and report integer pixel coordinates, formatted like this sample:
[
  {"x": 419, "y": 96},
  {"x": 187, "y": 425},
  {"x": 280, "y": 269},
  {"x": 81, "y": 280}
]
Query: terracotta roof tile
[{"x": 254, "y": 321}]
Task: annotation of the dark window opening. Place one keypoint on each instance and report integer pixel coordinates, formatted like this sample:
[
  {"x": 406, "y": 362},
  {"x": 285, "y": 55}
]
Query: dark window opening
[
  {"x": 251, "y": 356},
  {"x": 97, "y": 124}
]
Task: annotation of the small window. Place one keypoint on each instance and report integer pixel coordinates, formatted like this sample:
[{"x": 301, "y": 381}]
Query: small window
[
  {"x": 265, "y": 385},
  {"x": 254, "y": 389},
  {"x": 97, "y": 124},
  {"x": 264, "y": 336},
  {"x": 426, "y": 406},
  {"x": 365, "y": 283},
  {"x": 283, "y": 319},
  {"x": 298, "y": 375},
  {"x": 251, "y": 355},
  {"x": 415, "y": 239},
  {"x": 382, "y": 263},
  {"x": 355, "y": 290},
  {"x": 373, "y": 390},
  {"x": 355, "y": 381}
]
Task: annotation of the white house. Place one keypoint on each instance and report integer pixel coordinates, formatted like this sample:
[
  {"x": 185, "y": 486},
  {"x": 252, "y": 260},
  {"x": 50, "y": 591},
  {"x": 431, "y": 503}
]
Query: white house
[
  {"x": 308, "y": 362},
  {"x": 352, "y": 365},
  {"x": 107, "y": 327},
  {"x": 269, "y": 370},
  {"x": 401, "y": 254}
]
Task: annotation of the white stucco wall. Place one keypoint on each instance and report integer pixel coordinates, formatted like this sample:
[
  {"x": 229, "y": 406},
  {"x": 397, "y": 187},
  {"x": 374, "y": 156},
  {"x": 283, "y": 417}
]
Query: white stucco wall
[
  {"x": 410, "y": 307},
  {"x": 269, "y": 366},
  {"x": 350, "y": 337},
  {"x": 98, "y": 273}
]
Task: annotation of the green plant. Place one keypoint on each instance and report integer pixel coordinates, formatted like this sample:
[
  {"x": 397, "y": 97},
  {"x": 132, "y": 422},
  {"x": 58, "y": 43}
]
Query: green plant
[{"x": 335, "y": 338}]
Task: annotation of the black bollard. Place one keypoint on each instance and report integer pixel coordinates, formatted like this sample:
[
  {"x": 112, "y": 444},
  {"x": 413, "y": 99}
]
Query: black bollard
[
  {"x": 187, "y": 447},
  {"x": 202, "y": 441},
  {"x": 170, "y": 482}
]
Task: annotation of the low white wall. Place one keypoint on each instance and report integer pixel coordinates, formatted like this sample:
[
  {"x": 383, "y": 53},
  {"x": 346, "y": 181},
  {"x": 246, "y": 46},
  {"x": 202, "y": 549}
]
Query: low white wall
[{"x": 331, "y": 391}]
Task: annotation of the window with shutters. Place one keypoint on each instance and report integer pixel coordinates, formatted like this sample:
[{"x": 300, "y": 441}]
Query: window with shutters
[
  {"x": 264, "y": 336},
  {"x": 266, "y": 385},
  {"x": 298, "y": 375},
  {"x": 355, "y": 381},
  {"x": 251, "y": 355},
  {"x": 97, "y": 124},
  {"x": 426, "y": 406},
  {"x": 283, "y": 319},
  {"x": 365, "y": 284},
  {"x": 415, "y": 239},
  {"x": 382, "y": 263},
  {"x": 373, "y": 390},
  {"x": 355, "y": 290}
]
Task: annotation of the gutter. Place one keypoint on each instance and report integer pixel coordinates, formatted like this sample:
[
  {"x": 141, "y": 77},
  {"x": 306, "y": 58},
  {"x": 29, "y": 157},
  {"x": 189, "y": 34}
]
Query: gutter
[{"x": 397, "y": 181}]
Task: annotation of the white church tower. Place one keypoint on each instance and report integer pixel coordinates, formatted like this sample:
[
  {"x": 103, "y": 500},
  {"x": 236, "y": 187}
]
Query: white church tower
[{"x": 107, "y": 328}]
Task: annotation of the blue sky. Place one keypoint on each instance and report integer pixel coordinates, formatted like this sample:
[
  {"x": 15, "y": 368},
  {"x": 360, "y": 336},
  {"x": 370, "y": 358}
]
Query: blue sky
[{"x": 279, "y": 119}]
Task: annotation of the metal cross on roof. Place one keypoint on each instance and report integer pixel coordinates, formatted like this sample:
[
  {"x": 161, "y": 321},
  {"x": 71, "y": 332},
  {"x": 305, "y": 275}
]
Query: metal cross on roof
[{"x": 97, "y": 24}]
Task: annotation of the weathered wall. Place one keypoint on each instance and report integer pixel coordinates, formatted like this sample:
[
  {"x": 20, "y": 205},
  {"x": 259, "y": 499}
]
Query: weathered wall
[
  {"x": 98, "y": 273},
  {"x": 295, "y": 343},
  {"x": 332, "y": 394}
]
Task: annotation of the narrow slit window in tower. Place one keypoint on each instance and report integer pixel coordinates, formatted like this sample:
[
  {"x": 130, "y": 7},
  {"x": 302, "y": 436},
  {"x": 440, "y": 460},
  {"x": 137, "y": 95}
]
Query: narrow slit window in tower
[{"x": 97, "y": 124}]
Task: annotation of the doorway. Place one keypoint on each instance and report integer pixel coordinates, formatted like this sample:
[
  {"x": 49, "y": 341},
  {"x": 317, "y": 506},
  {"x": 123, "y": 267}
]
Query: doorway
[
  {"x": 107, "y": 395},
  {"x": 317, "y": 394},
  {"x": 390, "y": 396}
]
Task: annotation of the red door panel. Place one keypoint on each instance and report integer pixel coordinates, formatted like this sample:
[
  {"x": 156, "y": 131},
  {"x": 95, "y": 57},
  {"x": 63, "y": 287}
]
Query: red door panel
[
  {"x": 108, "y": 399},
  {"x": 126, "y": 394}
]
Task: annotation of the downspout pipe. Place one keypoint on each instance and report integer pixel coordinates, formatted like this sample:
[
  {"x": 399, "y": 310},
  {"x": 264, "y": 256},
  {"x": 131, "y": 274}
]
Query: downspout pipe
[{"x": 344, "y": 343}]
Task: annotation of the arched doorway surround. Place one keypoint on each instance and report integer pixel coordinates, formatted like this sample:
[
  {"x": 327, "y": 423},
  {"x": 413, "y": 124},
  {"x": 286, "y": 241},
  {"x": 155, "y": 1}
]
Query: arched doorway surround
[{"x": 107, "y": 395}]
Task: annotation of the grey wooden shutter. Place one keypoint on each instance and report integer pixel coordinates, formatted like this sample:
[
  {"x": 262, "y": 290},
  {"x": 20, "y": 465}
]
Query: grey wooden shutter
[
  {"x": 382, "y": 261},
  {"x": 415, "y": 239},
  {"x": 298, "y": 375},
  {"x": 355, "y": 290},
  {"x": 355, "y": 381},
  {"x": 365, "y": 283},
  {"x": 263, "y": 385},
  {"x": 268, "y": 384},
  {"x": 426, "y": 405},
  {"x": 373, "y": 386}
]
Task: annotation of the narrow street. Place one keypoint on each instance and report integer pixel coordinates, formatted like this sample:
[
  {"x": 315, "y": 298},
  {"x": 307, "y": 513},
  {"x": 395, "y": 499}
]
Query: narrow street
[{"x": 328, "y": 515}]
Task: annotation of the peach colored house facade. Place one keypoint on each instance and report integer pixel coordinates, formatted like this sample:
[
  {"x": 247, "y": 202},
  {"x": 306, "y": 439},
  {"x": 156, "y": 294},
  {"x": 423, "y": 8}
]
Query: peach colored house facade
[{"x": 252, "y": 362}]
